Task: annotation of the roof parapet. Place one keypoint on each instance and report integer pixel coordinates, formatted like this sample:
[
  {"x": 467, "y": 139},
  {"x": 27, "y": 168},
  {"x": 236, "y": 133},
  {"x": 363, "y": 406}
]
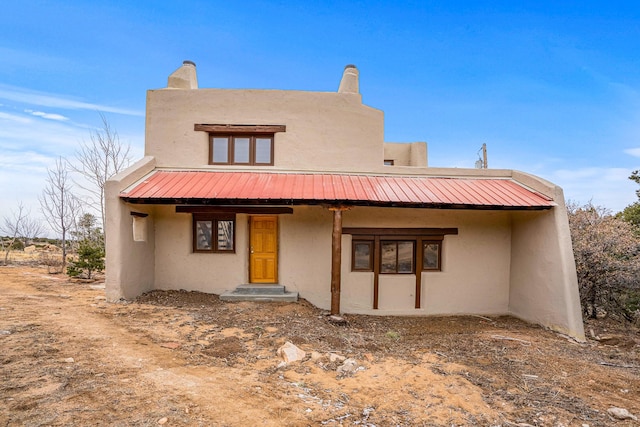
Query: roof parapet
[
  {"x": 349, "y": 82},
  {"x": 184, "y": 77}
]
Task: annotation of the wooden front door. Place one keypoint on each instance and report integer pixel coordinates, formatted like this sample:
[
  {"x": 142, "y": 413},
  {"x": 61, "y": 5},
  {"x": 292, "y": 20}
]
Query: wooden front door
[{"x": 263, "y": 258}]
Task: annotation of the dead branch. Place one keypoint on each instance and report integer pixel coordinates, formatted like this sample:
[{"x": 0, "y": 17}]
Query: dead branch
[
  {"x": 619, "y": 366},
  {"x": 502, "y": 337}
]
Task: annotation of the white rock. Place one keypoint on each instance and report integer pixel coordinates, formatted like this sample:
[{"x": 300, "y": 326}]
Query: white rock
[
  {"x": 348, "y": 367},
  {"x": 290, "y": 353},
  {"x": 163, "y": 420},
  {"x": 336, "y": 358},
  {"x": 69, "y": 360},
  {"x": 621, "y": 414}
]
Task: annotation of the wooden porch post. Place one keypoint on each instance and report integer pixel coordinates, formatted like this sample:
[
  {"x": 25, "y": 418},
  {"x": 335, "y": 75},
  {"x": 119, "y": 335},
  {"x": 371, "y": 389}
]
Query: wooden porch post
[{"x": 336, "y": 255}]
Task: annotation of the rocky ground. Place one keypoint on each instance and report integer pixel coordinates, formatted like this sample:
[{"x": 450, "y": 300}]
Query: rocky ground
[{"x": 67, "y": 357}]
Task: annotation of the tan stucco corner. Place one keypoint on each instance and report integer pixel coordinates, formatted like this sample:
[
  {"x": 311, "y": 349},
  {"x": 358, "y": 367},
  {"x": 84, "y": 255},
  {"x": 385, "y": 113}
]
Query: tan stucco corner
[
  {"x": 129, "y": 264},
  {"x": 544, "y": 285}
]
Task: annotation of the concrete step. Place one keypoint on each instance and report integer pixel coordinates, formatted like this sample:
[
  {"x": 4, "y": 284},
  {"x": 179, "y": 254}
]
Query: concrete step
[
  {"x": 264, "y": 293},
  {"x": 252, "y": 289}
]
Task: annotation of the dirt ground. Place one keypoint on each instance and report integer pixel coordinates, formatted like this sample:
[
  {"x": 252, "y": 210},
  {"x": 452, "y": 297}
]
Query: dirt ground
[{"x": 67, "y": 357}]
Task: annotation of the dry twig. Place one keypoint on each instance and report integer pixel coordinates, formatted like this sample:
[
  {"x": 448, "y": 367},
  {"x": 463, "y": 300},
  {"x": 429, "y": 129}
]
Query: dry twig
[{"x": 502, "y": 337}]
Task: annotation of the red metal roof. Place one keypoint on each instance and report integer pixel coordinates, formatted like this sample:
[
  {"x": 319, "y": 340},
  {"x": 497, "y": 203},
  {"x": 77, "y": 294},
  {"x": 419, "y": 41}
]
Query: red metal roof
[{"x": 217, "y": 188}]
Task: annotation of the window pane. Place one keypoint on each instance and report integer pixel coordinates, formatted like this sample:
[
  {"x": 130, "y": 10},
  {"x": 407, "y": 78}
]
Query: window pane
[
  {"x": 388, "y": 257},
  {"x": 405, "y": 257},
  {"x": 241, "y": 150},
  {"x": 430, "y": 256},
  {"x": 203, "y": 235},
  {"x": 362, "y": 256},
  {"x": 225, "y": 235},
  {"x": 263, "y": 150},
  {"x": 220, "y": 150}
]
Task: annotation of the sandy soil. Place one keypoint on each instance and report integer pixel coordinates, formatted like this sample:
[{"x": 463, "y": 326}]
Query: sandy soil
[{"x": 67, "y": 357}]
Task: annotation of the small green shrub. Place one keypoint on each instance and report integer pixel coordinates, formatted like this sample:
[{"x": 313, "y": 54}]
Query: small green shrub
[
  {"x": 90, "y": 260},
  {"x": 393, "y": 335},
  {"x": 632, "y": 301}
]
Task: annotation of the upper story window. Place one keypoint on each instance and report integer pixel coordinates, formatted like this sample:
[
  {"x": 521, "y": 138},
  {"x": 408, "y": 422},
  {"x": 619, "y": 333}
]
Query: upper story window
[
  {"x": 241, "y": 144},
  {"x": 241, "y": 150}
]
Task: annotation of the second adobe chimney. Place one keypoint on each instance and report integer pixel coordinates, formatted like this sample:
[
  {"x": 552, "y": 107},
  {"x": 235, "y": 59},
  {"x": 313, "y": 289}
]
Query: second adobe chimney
[
  {"x": 349, "y": 82},
  {"x": 184, "y": 77}
]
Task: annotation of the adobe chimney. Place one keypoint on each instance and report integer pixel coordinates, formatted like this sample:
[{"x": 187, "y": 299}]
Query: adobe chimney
[
  {"x": 349, "y": 82},
  {"x": 184, "y": 77}
]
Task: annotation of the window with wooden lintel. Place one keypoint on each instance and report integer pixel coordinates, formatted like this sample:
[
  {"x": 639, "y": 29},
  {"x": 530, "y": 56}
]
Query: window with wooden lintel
[
  {"x": 397, "y": 252},
  {"x": 410, "y": 251},
  {"x": 241, "y": 144},
  {"x": 214, "y": 233},
  {"x": 241, "y": 150},
  {"x": 396, "y": 256}
]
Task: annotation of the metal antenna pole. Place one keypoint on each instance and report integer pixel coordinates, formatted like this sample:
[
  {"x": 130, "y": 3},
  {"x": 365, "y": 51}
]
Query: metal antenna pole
[{"x": 484, "y": 156}]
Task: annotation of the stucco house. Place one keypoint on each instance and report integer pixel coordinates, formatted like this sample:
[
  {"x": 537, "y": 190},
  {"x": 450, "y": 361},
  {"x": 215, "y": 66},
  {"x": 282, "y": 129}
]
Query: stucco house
[{"x": 275, "y": 189}]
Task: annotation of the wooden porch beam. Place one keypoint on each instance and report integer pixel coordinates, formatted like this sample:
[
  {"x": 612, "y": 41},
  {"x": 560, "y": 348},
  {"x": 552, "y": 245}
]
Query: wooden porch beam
[{"x": 255, "y": 210}]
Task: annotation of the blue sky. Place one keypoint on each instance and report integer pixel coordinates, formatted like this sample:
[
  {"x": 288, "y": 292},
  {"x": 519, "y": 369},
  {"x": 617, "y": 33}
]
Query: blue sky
[{"x": 552, "y": 89}]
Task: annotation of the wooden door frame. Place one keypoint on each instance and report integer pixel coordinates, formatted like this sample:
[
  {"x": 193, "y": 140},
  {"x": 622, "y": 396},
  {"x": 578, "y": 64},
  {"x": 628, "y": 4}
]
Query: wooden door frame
[{"x": 249, "y": 235}]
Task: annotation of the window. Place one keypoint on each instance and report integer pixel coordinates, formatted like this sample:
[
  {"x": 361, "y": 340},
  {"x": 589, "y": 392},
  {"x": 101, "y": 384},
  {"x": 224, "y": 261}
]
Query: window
[
  {"x": 431, "y": 255},
  {"x": 214, "y": 233},
  {"x": 241, "y": 149},
  {"x": 397, "y": 250},
  {"x": 362, "y": 255},
  {"x": 388, "y": 162},
  {"x": 397, "y": 256}
]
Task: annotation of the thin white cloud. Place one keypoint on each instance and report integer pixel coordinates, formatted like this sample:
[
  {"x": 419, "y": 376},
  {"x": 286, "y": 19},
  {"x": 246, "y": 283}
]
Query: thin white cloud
[
  {"x": 635, "y": 152},
  {"x": 50, "y": 136},
  {"x": 25, "y": 161},
  {"x": 42, "y": 99},
  {"x": 14, "y": 118},
  {"x": 48, "y": 116}
]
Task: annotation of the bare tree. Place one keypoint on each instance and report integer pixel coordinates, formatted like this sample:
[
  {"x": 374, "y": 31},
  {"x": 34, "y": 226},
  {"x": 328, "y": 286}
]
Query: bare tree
[
  {"x": 607, "y": 255},
  {"x": 59, "y": 205},
  {"x": 31, "y": 229},
  {"x": 103, "y": 156},
  {"x": 12, "y": 227}
]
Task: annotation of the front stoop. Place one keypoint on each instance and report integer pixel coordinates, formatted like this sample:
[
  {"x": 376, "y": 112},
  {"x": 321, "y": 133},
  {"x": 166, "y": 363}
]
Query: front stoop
[{"x": 263, "y": 293}]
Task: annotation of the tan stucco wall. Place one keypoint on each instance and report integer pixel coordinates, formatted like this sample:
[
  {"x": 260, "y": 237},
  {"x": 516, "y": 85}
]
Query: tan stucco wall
[
  {"x": 475, "y": 276},
  {"x": 305, "y": 253},
  {"x": 406, "y": 153},
  {"x": 129, "y": 264},
  {"x": 475, "y": 265},
  {"x": 178, "y": 267},
  {"x": 325, "y": 131}
]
